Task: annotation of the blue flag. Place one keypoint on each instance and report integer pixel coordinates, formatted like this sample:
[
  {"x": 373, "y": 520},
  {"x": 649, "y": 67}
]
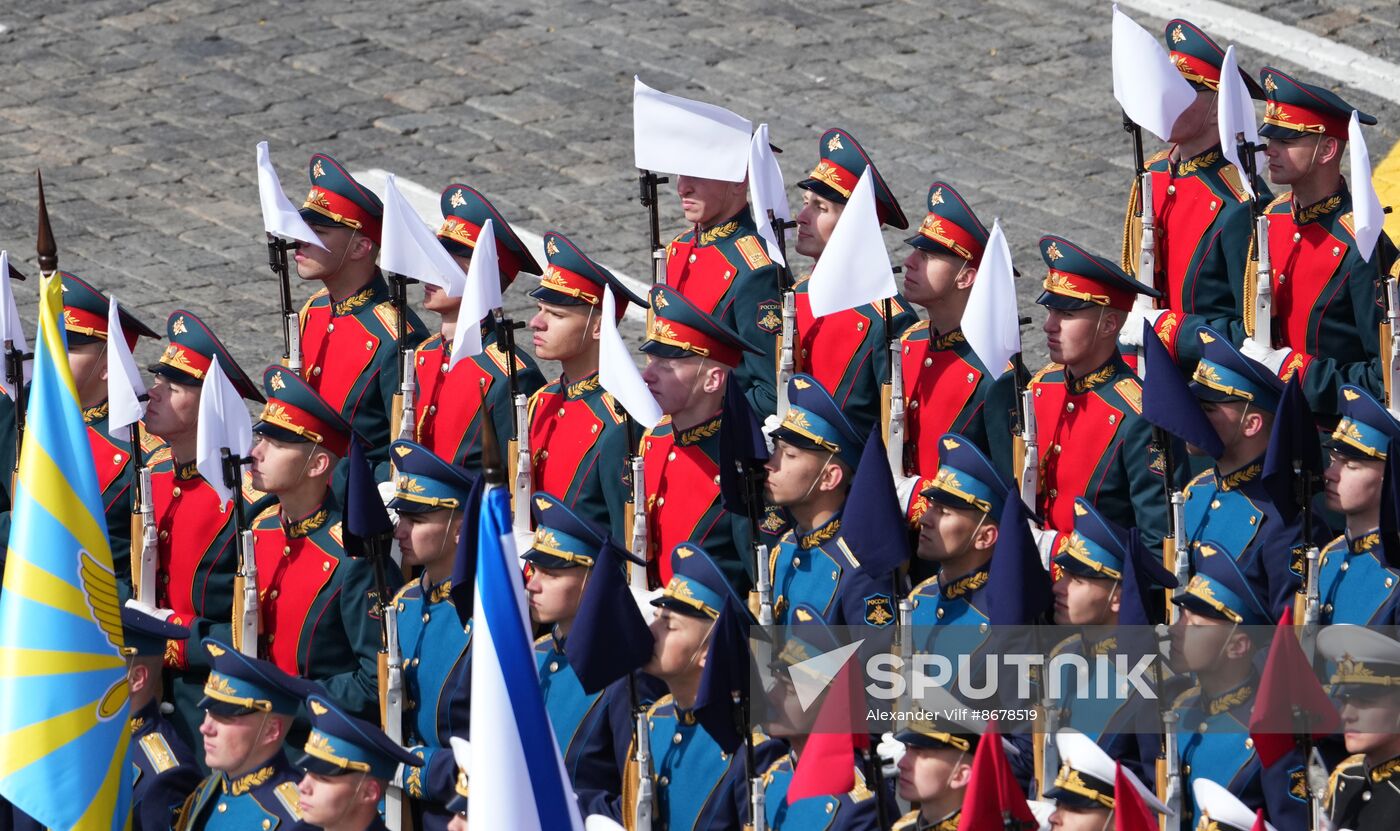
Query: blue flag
[
  {"x": 464, "y": 565},
  {"x": 872, "y": 523},
  {"x": 727, "y": 674},
  {"x": 1294, "y": 458},
  {"x": 609, "y": 638},
  {"x": 741, "y": 449},
  {"x": 1167, "y": 400},
  {"x": 366, "y": 518},
  {"x": 63, "y": 688},
  {"x": 1018, "y": 586}
]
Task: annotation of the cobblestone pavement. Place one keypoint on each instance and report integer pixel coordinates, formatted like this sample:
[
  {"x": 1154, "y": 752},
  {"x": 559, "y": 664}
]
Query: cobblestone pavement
[
  {"x": 1372, "y": 26},
  {"x": 144, "y": 117}
]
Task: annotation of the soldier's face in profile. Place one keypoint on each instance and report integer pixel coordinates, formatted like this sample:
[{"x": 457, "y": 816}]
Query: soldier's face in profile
[
  {"x": 327, "y": 799},
  {"x": 173, "y": 410},
  {"x": 554, "y": 593},
  {"x": 1290, "y": 159},
  {"x": 1196, "y": 118},
  {"x": 1199, "y": 641},
  {"x": 1070, "y": 336},
  {"x": 674, "y": 382},
  {"x": 794, "y": 473},
  {"x": 342, "y": 245},
  {"x": 706, "y": 202},
  {"x": 278, "y": 466},
  {"x": 429, "y": 537},
  {"x": 815, "y": 222},
  {"x": 88, "y": 363},
  {"x": 234, "y": 744},
  {"x": 680, "y": 644},
  {"x": 946, "y": 532},
  {"x": 1371, "y": 721},
  {"x": 1085, "y": 601},
  {"x": 931, "y": 276},
  {"x": 928, "y": 773},
  {"x": 561, "y": 332},
  {"x": 1353, "y": 485},
  {"x": 1066, "y": 818},
  {"x": 436, "y": 300}
]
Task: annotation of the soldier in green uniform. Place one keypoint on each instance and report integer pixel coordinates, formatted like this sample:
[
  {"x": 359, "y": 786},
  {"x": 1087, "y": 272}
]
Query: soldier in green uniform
[{"x": 1363, "y": 793}]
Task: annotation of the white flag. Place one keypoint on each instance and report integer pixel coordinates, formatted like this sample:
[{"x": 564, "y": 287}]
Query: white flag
[
  {"x": 617, "y": 372},
  {"x": 1234, "y": 113},
  {"x": 223, "y": 422},
  {"x": 1145, "y": 81},
  {"x": 124, "y": 383},
  {"x": 10, "y": 328},
  {"x": 410, "y": 248},
  {"x": 767, "y": 192},
  {"x": 279, "y": 217},
  {"x": 990, "y": 322},
  {"x": 1365, "y": 204},
  {"x": 671, "y": 134},
  {"x": 855, "y": 267},
  {"x": 480, "y": 297}
]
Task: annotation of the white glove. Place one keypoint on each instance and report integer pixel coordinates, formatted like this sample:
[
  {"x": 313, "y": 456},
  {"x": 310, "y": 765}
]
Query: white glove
[
  {"x": 399, "y": 773},
  {"x": 770, "y": 424},
  {"x": 601, "y": 822},
  {"x": 1131, "y": 333},
  {"x": 906, "y": 488},
  {"x": 386, "y": 495},
  {"x": 1271, "y": 358},
  {"x": 643, "y": 598},
  {"x": 890, "y": 752},
  {"x": 1045, "y": 543},
  {"x": 159, "y": 614}
]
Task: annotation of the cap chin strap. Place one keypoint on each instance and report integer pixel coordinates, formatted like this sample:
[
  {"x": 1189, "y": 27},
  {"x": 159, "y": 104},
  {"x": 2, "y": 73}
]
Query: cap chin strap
[
  {"x": 349, "y": 803},
  {"x": 257, "y": 738},
  {"x": 585, "y": 334},
  {"x": 817, "y": 478},
  {"x": 695, "y": 383}
]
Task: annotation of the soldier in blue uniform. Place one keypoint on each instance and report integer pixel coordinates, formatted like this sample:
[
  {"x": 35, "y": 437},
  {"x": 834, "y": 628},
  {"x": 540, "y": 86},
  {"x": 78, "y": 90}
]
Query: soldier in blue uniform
[
  {"x": 318, "y": 606},
  {"x": 846, "y": 352},
  {"x": 1228, "y": 504},
  {"x": 164, "y": 770},
  {"x": 1202, "y": 219},
  {"x": 350, "y": 327},
  {"x": 1326, "y": 303},
  {"x": 578, "y": 440},
  {"x": 1364, "y": 790},
  {"x": 248, "y": 707},
  {"x": 945, "y": 383},
  {"x": 816, "y": 450},
  {"x": 1212, "y": 638},
  {"x": 431, "y": 498},
  {"x": 1084, "y": 789},
  {"x": 593, "y": 729},
  {"x": 804, "y": 637},
  {"x": 934, "y": 773},
  {"x": 450, "y": 402},
  {"x": 690, "y": 356},
  {"x": 1356, "y": 581},
  {"x": 698, "y": 785},
  {"x": 348, "y": 765}
]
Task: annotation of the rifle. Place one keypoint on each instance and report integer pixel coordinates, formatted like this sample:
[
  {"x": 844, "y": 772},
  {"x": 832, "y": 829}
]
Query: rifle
[
  {"x": 894, "y": 444},
  {"x": 246, "y": 622},
  {"x": 1169, "y": 788},
  {"x": 145, "y": 556},
  {"x": 404, "y": 407},
  {"x": 1259, "y": 309},
  {"x": 647, "y": 181},
  {"x": 277, "y": 249},
  {"x": 787, "y": 346},
  {"x": 522, "y": 482},
  {"x": 644, "y": 804},
  {"x": 1176, "y": 551},
  {"x": 637, "y": 500},
  {"x": 1024, "y": 423},
  {"x": 904, "y": 648},
  {"x": 1306, "y": 483},
  {"x": 391, "y": 693}
]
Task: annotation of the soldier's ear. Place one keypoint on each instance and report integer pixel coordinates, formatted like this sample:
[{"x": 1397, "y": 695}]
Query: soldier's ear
[
  {"x": 987, "y": 535},
  {"x": 966, "y": 277},
  {"x": 1330, "y": 149},
  {"x": 362, "y": 247}
]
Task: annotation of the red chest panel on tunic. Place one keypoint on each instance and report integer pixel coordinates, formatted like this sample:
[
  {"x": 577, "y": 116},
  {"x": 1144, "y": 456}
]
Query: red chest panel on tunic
[
  {"x": 1073, "y": 443},
  {"x": 829, "y": 343},
  {"x": 448, "y": 402},
  {"x": 107, "y": 457},
  {"x": 938, "y": 383},
  {"x": 703, "y": 280},
  {"x": 682, "y": 485},
  {"x": 1302, "y": 270},
  {"x": 188, "y": 520},
  {"x": 562, "y": 432},
  {"x": 1184, "y": 209},
  {"x": 288, "y": 584},
  {"x": 337, "y": 352}
]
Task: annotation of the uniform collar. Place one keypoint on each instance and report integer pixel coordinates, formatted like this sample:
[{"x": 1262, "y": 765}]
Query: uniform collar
[
  {"x": 242, "y": 784},
  {"x": 145, "y": 717},
  {"x": 187, "y": 471},
  {"x": 1385, "y": 770},
  {"x": 438, "y": 592},
  {"x": 947, "y": 340},
  {"x": 1204, "y": 161},
  {"x": 1097, "y": 378},
  {"x": 820, "y": 535},
  {"x": 579, "y": 389},
  {"x": 700, "y": 432},
  {"x": 721, "y": 230},
  {"x": 948, "y": 823},
  {"x": 306, "y": 525},
  {"x": 1302, "y": 215},
  {"x": 684, "y": 716},
  {"x": 98, "y": 413},
  {"x": 967, "y": 584},
  {"x": 1364, "y": 543},
  {"x": 1234, "y": 479},
  {"x": 1228, "y": 701}
]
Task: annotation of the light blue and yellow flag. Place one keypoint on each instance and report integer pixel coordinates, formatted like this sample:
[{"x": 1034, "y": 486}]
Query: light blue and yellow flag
[{"x": 63, "y": 694}]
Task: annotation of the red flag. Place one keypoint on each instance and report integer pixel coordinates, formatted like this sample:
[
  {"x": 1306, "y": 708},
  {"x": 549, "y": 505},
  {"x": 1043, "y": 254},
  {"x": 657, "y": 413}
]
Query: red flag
[
  {"x": 993, "y": 800},
  {"x": 827, "y": 764},
  {"x": 1259, "y": 823},
  {"x": 1130, "y": 812},
  {"x": 1290, "y": 697}
]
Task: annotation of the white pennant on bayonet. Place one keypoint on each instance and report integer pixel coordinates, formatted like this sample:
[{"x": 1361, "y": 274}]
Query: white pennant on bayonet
[
  {"x": 11, "y": 331},
  {"x": 767, "y": 192},
  {"x": 279, "y": 217},
  {"x": 1235, "y": 115},
  {"x": 618, "y": 373},
  {"x": 480, "y": 297},
  {"x": 1146, "y": 83},
  {"x": 124, "y": 383},
  {"x": 410, "y": 248},
  {"x": 1366, "y": 208},
  {"x": 672, "y": 134},
  {"x": 991, "y": 322},
  {"x": 223, "y": 422},
  {"x": 855, "y": 266}
]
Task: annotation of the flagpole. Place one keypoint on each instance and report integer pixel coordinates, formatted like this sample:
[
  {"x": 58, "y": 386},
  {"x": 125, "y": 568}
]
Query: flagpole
[{"x": 647, "y": 182}]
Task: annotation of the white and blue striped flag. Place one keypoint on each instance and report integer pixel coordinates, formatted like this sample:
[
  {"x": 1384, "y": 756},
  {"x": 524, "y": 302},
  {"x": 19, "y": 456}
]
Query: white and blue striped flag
[{"x": 516, "y": 773}]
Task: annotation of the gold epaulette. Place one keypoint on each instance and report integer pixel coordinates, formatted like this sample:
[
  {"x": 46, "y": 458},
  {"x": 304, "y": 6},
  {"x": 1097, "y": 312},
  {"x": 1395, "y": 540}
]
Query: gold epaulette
[
  {"x": 1230, "y": 177},
  {"x": 337, "y": 532},
  {"x": 1131, "y": 390},
  {"x": 388, "y": 316},
  {"x": 610, "y": 404},
  {"x": 1045, "y": 370},
  {"x": 158, "y": 752},
  {"x": 1348, "y": 222},
  {"x": 290, "y": 797},
  {"x": 1281, "y": 199},
  {"x": 403, "y": 590},
  {"x": 751, "y": 249},
  {"x": 270, "y": 512},
  {"x": 499, "y": 358},
  {"x": 921, "y": 326},
  {"x": 1349, "y": 762},
  {"x": 1197, "y": 479}
]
